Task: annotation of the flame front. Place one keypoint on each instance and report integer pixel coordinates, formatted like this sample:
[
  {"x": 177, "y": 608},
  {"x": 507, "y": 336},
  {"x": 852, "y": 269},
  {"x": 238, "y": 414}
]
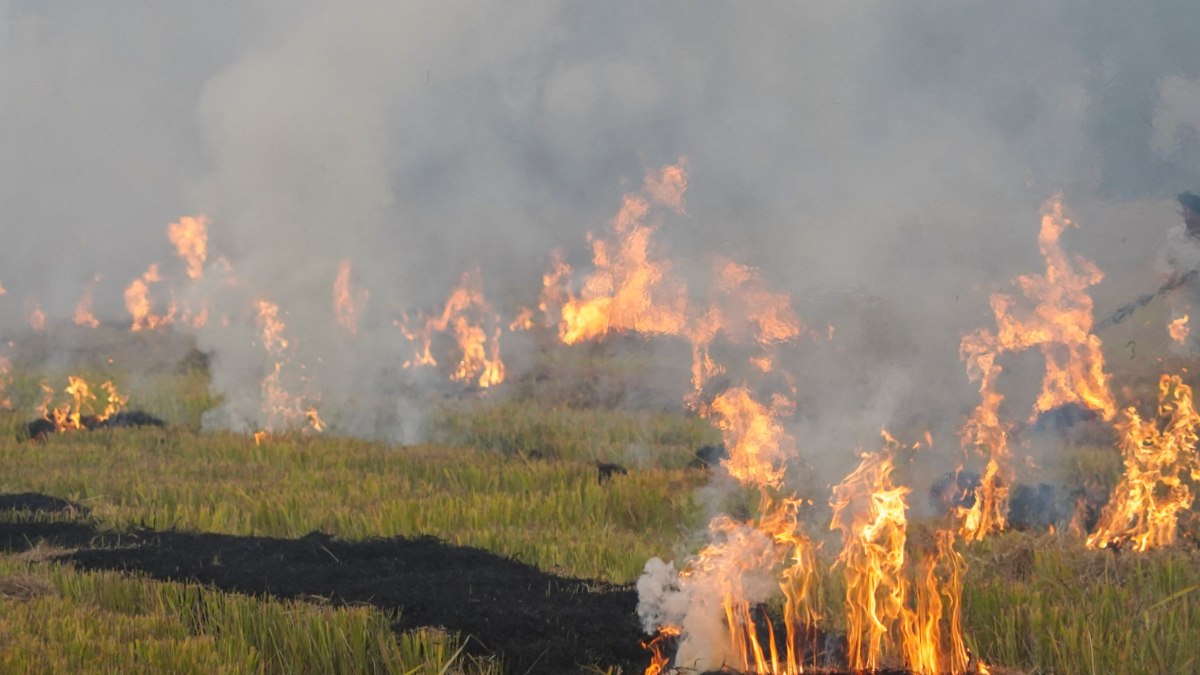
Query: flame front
[
  {"x": 465, "y": 316},
  {"x": 281, "y": 408},
  {"x": 79, "y": 410},
  {"x": 629, "y": 289},
  {"x": 83, "y": 310},
  {"x": 1160, "y": 455},
  {"x": 348, "y": 302},
  {"x": 1060, "y": 324},
  {"x": 190, "y": 237},
  {"x": 141, "y": 307},
  {"x": 896, "y": 611}
]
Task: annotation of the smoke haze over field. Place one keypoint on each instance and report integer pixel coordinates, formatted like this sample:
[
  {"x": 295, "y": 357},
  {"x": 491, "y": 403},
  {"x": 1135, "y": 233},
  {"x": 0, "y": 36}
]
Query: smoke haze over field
[{"x": 883, "y": 162}]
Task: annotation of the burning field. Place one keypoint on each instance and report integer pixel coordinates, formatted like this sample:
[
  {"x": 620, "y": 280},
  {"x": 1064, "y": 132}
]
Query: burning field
[
  {"x": 578, "y": 478},
  {"x": 600, "y": 339}
]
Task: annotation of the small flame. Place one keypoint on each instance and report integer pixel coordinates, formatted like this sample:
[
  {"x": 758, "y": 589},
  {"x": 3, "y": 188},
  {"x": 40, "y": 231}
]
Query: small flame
[
  {"x": 37, "y": 318},
  {"x": 1160, "y": 455},
  {"x": 79, "y": 411},
  {"x": 190, "y": 237},
  {"x": 5, "y": 370},
  {"x": 83, "y": 311},
  {"x": 464, "y": 315},
  {"x": 282, "y": 409},
  {"x": 1179, "y": 329},
  {"x": 348, "y": 302},
  {"x": 141, "y": 307}
]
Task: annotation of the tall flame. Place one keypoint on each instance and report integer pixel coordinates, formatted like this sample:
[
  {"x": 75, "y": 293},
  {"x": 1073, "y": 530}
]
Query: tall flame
[
  {"x": 282, "y": 409},
  {"x": 139, "y": 304},
  {"x": 190, "y": 237},
  {"x": 896, "y": 612},
  {"x": 1059, "y": 323},
  {"x": 1160, "y": 455},
  {"x": 465, "y": 315},
  {"x": 348, "y": 302},
  {"x": 629, "y": 289},
  {"x": 83, "y": 310},
  {"x": 79, "y": 410}
]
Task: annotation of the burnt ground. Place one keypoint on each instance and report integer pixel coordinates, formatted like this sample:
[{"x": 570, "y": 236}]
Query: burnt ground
[{"x": 535, "y": 622}]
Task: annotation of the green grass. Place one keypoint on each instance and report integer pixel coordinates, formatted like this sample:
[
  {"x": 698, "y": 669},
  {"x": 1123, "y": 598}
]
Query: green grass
[{"x": 549, "y": 513}]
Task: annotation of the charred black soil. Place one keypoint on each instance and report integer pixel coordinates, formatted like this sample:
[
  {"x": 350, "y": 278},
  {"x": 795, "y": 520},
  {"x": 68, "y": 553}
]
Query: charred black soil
[{"x": 535, "y": 622}]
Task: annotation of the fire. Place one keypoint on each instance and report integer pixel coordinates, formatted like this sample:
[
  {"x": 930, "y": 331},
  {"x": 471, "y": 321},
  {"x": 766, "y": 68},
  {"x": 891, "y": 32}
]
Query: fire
[
  {"x": 37, "y": 318},
  {"x": 464, "y": 316},
  {"x": 523, "y": 321},
  {"x": 556, "y": 288},
  {"x": 83, "y": 311},
  {"x": 894, "y": 610},
  {"x": 282, "y": 409},
  {"x": 348, "y": 302},
  {"x": 759, "y": 449},
  {"x": 79, "y": 411},
  {"x": 190, "y": 237},
  {"x": 139, "y": 304},
  {"x": 1059, "y": 323},
  {"x": 630, "y": 290},
  {"x": 1179, "y": 329},
  {"x": 5, "y": 370},
  {"x": 1160, "y": 456}
]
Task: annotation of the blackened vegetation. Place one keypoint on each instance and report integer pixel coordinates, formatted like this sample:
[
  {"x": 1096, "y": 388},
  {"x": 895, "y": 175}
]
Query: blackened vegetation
[
  {"x": 40, "y": 428},
  {"x": 534, "y": 621},
  {"x": 606, "y": 470},
  {"x": 709, "y": 456},
  {"x": 953, "y": 491}
]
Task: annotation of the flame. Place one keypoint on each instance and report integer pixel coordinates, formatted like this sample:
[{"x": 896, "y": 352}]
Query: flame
[
  {"x": 190, "y": 237},
  {"x": 464, "y": 316},
  {"x": 1060, "y": 324},
  {"x": 5, "y": 370},
  {"x": 37, "y": 318},
  {"x": 1160, "y": 454},
  {"x": 79, "y": 411},
  {"x": 895, "y": 611},
  {"x": 348, "y": 302},
  {"x": 2, "y": 290},
  {"x": 141, "y": 308},
  {"x": 758, "y": 446},
  {"x": 629, "y": 290},
  {"x": 83, "y": 311},
  {"x": 261, "y": 437},
  {"x": 281, "y": 408},
  {"x": 556, "y": 288},
  {"x": 523, "y": 321},
  {"x": 658, "y": 660},
  {"x": 1179, "y": 329}
]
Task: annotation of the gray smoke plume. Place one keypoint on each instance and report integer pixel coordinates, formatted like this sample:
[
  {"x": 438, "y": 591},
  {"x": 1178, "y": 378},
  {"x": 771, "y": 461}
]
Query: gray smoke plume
[{"x": 883, "y": 162}]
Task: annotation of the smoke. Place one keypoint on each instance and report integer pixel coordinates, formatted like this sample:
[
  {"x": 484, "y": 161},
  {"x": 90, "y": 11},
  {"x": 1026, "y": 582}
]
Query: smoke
[{"x": 884, "y": 163}]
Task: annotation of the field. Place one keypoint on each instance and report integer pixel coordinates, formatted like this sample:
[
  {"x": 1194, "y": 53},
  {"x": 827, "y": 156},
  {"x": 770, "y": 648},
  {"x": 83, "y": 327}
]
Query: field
[{"x": 172, "y": 550}]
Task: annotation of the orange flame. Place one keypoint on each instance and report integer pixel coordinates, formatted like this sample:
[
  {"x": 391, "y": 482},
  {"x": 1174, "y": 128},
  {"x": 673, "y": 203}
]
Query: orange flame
[
  {"x": 5, "y": 369},
  {"x": 141, "y": 308},
  {"x": 79, "y": 411},
  {"x": 83, "y": 311},
  {"x": 894, "y": 613},
  {"x": 348, "y": 302},
  {"x": 1179, "y": 329},
  {"x": 1160, "y": 454},
  {"x": 556, "y": 288},
  {"x": 282, "y": 409},
  {"x": 464, "y": 315},
  {"x": 629, "y": 290},
  {"x": 37, "y": 318},
  {"x": 190, "y": 237},
  {"x": 1060, "y": 324},
  {"x": 759, "y": 448}
]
